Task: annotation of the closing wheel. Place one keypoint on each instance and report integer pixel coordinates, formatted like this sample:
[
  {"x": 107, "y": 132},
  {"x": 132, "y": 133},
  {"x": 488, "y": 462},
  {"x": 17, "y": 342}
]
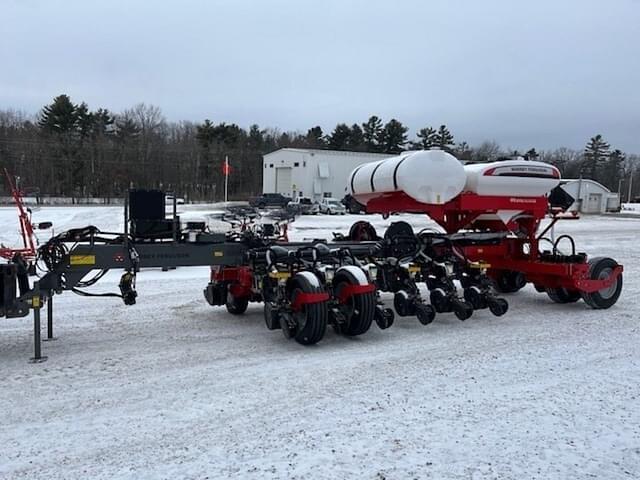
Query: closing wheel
[
  {"x": 236, "y": 305},
  {"x": 439, "y": 301},
  {"x": 498, "y": 306},
  {"x": 402, "y": 305},
  {"x": 474, "y": 296},
  {"x": 271, "y": 316},
  {"x": 599, "y": 269},
  {"x": 425, "y": 313},
  {"x": 359, "y": 309},
  {"x": 311, "y": 319},
  {"x": 462, "y": 310},
  {"x": 563, "y": 295},
  {"x": 384, "y": 317},
  {"x": 509, "y": 281}
]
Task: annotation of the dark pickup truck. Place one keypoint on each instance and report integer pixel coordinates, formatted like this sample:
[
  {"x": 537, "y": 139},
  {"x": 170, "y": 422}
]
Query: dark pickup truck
[{"x": 269, "y": 200}]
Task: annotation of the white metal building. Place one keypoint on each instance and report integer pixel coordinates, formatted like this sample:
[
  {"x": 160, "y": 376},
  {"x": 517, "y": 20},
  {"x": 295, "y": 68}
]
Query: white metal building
[
  {"x": 591, "y": 196},
  {"x": 311, "y": 173}
]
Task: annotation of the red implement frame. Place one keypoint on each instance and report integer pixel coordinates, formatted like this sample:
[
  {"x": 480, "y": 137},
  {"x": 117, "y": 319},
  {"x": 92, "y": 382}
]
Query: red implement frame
[
  {"x": 240, "y": 279},
  {"x": 518, "y": 252},
  {"x": 26, "y": 229},
  {"x": 350, "y": 290},
  {"x": 303, "y": 298}
]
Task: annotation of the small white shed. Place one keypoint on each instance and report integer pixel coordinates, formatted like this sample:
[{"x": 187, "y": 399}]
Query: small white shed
[
  {"x": 591, "y": 196},
  {"x": 311, "y": 173}
]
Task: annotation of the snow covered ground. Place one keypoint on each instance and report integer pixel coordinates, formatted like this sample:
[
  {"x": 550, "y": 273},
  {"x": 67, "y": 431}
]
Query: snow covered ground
[{"x": 172, "y": 388}]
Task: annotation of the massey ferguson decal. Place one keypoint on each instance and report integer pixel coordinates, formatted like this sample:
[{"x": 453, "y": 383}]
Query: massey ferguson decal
[{"x": 523, "y": 171}]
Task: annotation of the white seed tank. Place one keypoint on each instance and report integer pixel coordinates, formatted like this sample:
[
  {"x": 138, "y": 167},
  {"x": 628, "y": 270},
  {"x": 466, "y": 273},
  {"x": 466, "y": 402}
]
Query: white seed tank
[
  {"x": 427, "y": 176},
  {"x": 521, "y": 178}
]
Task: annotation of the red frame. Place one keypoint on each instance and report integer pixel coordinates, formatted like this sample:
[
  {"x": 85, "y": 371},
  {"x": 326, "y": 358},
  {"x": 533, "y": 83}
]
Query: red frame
[
  {"x": 26, "y": 229},
  {"x": 464, "y": 212},
  {"x": 240, "y": 279},
  {"x": 352, "y": 289}
]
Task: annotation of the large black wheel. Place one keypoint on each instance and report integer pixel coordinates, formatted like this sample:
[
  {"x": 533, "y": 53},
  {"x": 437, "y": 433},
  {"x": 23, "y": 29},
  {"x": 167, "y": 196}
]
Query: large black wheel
[
  {"x": 600, "y": 268},
  {"x": 359, "y": 309},
  {"x": 508, "y": 281},
  {"x": 236, "y": 305},
  {"x": 362, "y": 231},
  {"x": 563, "y": 295},
  {"x": 311, "y": 319}
]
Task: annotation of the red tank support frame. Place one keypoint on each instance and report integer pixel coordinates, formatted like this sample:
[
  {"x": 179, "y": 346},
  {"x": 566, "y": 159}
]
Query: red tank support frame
[{"x": 518, "y": 253}]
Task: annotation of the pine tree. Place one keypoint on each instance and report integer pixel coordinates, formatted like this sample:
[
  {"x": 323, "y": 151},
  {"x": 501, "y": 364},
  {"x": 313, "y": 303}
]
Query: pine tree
[
  {"x": 206, "y": 134},
  {"x": 102, "y": 122},
  {"x": 371, "y": 131},
  {"x": 338, "y": 140},
  {"x": 393, "y": 137},
  {"x": 426, "y": 139},
  {"x": 595, "y": 155},
  {"x": 315, "y": 138},
  {"x": 355, "y": 141},
  {"x": 444, "y": 139},
  {"x": 59, "y": 117},
  {"x": 255, "y": 139},
  {"x": 85, "y": 120},
  {"x": 613, "y": 170}
]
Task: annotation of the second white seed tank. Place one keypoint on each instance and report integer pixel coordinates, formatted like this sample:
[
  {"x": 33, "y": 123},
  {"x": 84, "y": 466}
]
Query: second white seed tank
[{"x": 427, "y": 176}]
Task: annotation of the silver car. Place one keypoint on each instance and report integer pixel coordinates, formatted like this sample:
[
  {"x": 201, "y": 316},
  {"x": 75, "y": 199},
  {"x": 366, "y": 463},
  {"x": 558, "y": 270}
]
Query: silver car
[{"x": 332, "y": 206}]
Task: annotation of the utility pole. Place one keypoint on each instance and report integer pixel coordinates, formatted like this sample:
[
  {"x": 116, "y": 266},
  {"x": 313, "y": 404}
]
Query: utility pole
[{"x": 630, "y": 185}]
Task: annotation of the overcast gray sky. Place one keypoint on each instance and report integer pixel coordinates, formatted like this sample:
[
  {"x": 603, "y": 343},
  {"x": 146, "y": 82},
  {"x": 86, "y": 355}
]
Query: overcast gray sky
[{"x": 537, "y": 73}]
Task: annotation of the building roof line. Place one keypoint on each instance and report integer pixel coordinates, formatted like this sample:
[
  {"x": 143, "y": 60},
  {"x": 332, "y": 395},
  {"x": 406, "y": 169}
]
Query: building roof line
[
  {"x": 330, "y": 152},
  {"x": 567, "y": 180}
]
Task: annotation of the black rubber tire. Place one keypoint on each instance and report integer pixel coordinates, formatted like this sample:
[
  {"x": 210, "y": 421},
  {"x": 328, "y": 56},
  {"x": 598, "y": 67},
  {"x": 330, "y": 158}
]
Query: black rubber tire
[
  {"x": 314, "y": 314},
  {"x": 475, "y": 298},
  {"x": 425, "y": 313},
  {"x": 362, "y": 230},
  {"x": 361, "y": 306},
  {"x": 236, "y": 305},
  {"x": 384, "y": 318},
  {"x": 508, "y": 281},
  {"x": 562, "y": 295},
  {"x": 439, "y": 301},
  {"x": 401, "y": 304},
  {"x": 462, "y": 310},
  {"x": 604, "y": 298},
  {"x": 498, "y": 306}
]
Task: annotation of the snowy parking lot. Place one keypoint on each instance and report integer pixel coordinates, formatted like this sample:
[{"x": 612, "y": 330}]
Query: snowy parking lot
[{"x": 172, "y": 388}]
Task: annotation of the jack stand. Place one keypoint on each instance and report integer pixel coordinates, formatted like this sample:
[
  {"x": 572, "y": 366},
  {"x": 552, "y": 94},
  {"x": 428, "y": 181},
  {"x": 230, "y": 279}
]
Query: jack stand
[
  {"x": 50, "y": 337},
  {"x": 37, "y": 356}
]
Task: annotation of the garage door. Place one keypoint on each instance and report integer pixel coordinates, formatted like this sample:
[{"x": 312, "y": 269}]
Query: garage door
[
  {"x": 283, "y": 180},
  {"x": 594, "y": 203}
]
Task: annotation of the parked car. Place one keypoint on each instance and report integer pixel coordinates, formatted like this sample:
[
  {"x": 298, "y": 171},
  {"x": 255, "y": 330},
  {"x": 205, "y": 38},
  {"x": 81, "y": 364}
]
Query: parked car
[
  {"x": 352, "y": 205},
  {"x": 332, "y": 206},
  {"x": 269, "y": 200},
  {"x": 303, "y": 206}
]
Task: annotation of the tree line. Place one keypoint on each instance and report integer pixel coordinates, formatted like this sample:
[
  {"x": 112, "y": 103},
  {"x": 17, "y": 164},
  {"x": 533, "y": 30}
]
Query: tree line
[{"x": 68, "y": 149}]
